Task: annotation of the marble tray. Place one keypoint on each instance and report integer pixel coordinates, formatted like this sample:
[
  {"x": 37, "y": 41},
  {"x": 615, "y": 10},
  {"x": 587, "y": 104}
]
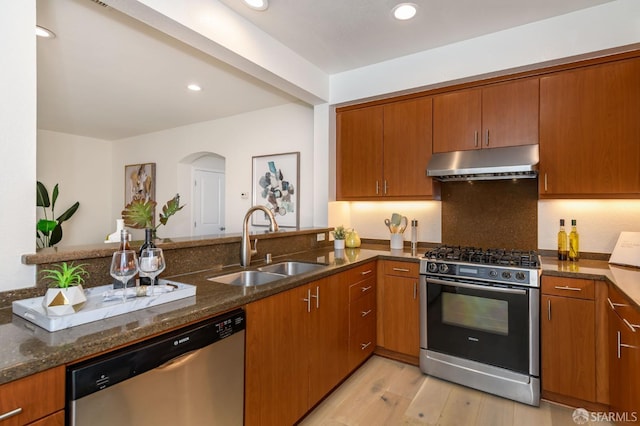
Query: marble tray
[{"x": 97, "y": 308}]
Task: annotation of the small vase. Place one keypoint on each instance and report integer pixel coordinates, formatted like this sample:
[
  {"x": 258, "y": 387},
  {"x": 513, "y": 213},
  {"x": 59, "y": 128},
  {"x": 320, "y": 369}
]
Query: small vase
[
  {"x": 64, "y": 301},
  {"x": 353, "y": 240},
  {"x": 338, "y": 244}
]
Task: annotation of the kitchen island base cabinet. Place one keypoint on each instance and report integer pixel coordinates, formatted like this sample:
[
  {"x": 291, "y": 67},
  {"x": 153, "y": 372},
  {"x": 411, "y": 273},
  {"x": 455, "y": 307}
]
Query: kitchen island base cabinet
[
  {"x": 36, "y": 399},
  {"x": 624, "y": 358},
  {"x": 296, "y": 351}
]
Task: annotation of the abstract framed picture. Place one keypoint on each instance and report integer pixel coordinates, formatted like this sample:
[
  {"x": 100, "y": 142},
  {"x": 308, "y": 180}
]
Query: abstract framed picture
[
  {"x": 275, "y": 183},
  {"x": 139, "y": 182}
]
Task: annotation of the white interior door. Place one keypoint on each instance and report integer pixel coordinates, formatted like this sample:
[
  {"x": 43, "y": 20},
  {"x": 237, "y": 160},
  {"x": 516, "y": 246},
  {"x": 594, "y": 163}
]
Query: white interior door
[{"x": 208, "y": 202}]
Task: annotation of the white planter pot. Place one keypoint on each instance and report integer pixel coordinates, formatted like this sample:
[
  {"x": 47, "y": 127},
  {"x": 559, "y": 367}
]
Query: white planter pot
[
  {"x": 338, "y": 244},
  {"x": 64, "y": 301}
]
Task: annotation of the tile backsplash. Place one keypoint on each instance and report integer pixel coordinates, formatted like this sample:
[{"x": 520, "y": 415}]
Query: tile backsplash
[{"x": 491, "y": 214}]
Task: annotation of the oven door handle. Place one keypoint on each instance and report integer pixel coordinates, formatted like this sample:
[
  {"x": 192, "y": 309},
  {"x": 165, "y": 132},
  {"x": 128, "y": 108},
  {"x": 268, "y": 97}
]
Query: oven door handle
[{"x": 477, "y": 287}]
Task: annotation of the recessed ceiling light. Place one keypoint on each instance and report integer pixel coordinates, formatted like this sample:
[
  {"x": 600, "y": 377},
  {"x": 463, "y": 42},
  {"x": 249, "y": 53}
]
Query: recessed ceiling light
[
  {"x": 194, "y": 87},
  {"x": 43, "y": 32},
  {"x": 404, "y": 11},
  {"x": 257, "y": 4}
]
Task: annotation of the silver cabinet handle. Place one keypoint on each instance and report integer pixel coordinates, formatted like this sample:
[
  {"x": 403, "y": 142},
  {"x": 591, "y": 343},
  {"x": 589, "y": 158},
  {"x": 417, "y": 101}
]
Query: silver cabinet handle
[
  {"x": 308, "y": 300},
  {"x": 475, "y": 138},
  {"x": 613, "y": 305},
  {"x": 385, "y": 187},
  {"x": 401, "y": 269},
  {"x": 632, "y": 327},
  {"x": 618, "y": 349},
  {"x": 365, "y": 313},
  {"x": 566, "y": 287},
  {"x": 316, "y": 296},
  {"x": 487, "y": 141},
  {"x": 545, "y": 182},
  {"x": 377, "y": 187},
  {"x": 367, "y": 272},
  {"x": 415, "y": 290},
  {"x": 549, "y": 309},
  {"x": 11, "y": 413},
  {"x": 364, "y": 346},
  {"x": 363, "y": 289}
]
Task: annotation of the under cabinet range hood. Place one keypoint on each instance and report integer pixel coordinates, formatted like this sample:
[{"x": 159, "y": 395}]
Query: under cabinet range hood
[{"x": 513, "y": 162}]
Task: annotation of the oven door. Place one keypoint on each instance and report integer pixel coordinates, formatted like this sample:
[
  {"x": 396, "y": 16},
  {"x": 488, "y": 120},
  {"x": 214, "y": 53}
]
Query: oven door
[{"x": 484, "y": 323}]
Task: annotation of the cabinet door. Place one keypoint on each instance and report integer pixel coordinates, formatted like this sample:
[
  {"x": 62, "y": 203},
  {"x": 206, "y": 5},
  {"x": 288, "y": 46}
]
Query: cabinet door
[
  {"x": 407, "y": 148},
  {"x": 568, "y": 347},
  {"x": 457, "y": 120},
  {"x": 276, "y": 362},
  {"x": 510, "y": 114},
  {"x": 589, "y": 131},
  {"x": 328, "y": 336},
  {"x": 400, "y": 314},
  {"x": 359, "y": 153}
]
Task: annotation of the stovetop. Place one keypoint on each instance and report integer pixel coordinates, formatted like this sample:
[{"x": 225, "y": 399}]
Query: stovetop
[{"x": 497, "y": 257}]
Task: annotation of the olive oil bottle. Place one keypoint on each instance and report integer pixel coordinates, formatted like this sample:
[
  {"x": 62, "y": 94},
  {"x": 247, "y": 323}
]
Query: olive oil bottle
[
  {"x": 563, "y": 251},
  {"x": 574, "y": 242}
]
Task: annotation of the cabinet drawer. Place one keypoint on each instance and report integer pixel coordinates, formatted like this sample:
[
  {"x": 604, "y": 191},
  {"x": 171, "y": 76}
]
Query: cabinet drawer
[
  {"x": 360, "y": 273},
  {"x": 362, "y": 289},
  {"x": 362, "y": 343},
  {"x": 623, "y": 308},
  {"x": 568, "y": 287},
  {"x": 401, "y": 269},
  {"x": 361, "y": 311},
  {"x": 32, "y": 397}
]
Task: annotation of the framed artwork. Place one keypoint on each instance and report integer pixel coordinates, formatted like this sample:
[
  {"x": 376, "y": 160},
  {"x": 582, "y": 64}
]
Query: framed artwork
[
  {"x": 276, "y": 179},
  {"x": 139, "y": 182}
]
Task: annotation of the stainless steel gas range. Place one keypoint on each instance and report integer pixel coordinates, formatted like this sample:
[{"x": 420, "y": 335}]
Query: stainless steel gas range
[{"x": 479, "y": 320}]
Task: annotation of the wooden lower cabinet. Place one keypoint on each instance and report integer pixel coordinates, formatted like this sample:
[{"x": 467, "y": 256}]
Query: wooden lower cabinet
[
  {"x": 624, "y": 358},
  {"x": 572, "y": 335},
  {"x": 361, "y": 282},
  {"x": 296, "y": 351},
  {"x": 398, "y": 316},
  {"x": 37, "y": 399}
]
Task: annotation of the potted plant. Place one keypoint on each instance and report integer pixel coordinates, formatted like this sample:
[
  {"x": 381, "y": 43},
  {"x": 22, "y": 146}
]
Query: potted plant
[
  {"x": 65, "y": 295},
  {"x": 339, "y": 234},
  {"x": 138, "y": 214},
  {"x": 49, "y": 228}
]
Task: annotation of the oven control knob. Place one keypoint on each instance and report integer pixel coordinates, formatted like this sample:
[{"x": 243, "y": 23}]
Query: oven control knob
[
  {"x": 506, "y": 275},
  {"x": 493, "y": 273},
  {"x": 432, "y": 267},
  {"x": 443, "y": 268},
  {"x": 520, "y": 276}
]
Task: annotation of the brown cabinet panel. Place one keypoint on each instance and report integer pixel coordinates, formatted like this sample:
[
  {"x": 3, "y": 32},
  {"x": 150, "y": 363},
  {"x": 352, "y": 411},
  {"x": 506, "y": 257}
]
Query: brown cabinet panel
[
  {"x": 510, "y": 114},
  {"x": 457, "y": 120},
  {"x": 574, "y": 287},
  {"x": 37, "y": 396},
  {"x": 359, "y": 153},
  {"x": 362, "y": 343},
  {"x": 401, "y": 315},
  {"x": 590, "y": 131},
  {"x": 401, "y": 269}
]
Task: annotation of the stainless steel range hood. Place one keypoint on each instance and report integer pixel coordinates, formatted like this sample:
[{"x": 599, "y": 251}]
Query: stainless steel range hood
[{"x": 513, "y": 162}]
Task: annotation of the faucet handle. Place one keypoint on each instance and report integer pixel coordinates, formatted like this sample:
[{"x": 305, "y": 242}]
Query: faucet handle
[{"x": 254, "y": 250}]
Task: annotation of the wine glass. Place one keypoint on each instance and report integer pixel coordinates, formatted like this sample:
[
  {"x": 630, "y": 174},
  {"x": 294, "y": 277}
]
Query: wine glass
[
  {"x": 151, "y": 263},
  {"x": 124, "y": 266}
]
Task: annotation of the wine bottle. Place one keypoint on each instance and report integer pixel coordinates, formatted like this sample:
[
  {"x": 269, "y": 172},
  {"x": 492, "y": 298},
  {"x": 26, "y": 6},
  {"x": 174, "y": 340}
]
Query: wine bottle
[
  {"x": 148, "y": 243},
  {"x": 124, "y": 245},
  {"x": 563, "y": 251},
  {"x": 574, "y": 242}
]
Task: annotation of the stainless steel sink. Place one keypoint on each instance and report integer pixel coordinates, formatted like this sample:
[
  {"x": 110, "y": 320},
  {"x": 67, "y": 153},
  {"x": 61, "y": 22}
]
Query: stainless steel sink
[
  {"x": 292, "y": 267},
  {"x": 248, "y": 278}
]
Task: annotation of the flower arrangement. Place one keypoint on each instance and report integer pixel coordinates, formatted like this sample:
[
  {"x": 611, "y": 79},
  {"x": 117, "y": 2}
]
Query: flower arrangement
[{"x": 339, "y": 233}]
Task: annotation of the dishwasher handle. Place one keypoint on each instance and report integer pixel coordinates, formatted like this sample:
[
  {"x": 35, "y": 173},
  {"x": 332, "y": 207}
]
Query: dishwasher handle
[{"x": 99, "y": 373}]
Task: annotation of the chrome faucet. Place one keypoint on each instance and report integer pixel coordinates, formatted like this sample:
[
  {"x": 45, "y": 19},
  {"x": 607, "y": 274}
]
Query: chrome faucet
[{"x": 245, "y": 248}]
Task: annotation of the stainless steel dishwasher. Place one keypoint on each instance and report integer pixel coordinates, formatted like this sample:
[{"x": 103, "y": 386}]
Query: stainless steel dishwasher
[{"x": 192, "y": 376}]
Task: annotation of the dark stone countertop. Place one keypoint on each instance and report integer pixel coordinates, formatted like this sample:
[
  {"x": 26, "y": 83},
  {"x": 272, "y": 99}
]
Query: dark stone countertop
[{"x": 27, "y": 349}]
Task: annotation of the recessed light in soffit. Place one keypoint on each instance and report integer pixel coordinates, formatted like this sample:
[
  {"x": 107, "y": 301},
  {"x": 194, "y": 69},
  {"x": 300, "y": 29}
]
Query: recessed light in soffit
[
  {"x": 257, "y": 4},
  {"x": 404, "y": 11},
  {"x": 44, "y": 32}
]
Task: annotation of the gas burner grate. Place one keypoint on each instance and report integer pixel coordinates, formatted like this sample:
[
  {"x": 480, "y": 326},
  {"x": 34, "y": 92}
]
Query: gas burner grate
[{"x": 501, "y": 257}]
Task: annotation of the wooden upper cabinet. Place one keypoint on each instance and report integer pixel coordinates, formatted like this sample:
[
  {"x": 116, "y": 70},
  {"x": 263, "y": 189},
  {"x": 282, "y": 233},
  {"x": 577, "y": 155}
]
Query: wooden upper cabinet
[
  {"x": 407, "y": 148},
  {"x": 359, "y": 152},
  {"x": 383, "y": 151},
  {"x": 590, "y": 132},
  {"x": 504, "y": 114}
]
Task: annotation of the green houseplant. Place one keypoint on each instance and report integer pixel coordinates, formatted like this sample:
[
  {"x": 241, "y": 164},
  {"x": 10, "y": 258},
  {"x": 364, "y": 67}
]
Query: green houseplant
[
  {"x": 49, "y": 228},
  {"x": 339, "y": 234},
  {"x": 138, "y": 214},
  {"x": 65, "y": 294}
]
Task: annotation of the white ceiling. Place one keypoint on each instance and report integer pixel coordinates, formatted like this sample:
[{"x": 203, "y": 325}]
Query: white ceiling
[{"x": 108, "y": 76}]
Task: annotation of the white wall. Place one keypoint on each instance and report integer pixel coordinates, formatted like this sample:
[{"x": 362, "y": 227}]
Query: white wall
[
  {"x": 81, "y": 167},
  {"x": 17, "y": 141},
  {"x": 281, "y": 129}
]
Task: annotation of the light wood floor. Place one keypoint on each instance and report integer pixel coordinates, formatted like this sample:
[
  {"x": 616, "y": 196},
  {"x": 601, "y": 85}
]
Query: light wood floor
[{"x": 386, "y": 392}]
